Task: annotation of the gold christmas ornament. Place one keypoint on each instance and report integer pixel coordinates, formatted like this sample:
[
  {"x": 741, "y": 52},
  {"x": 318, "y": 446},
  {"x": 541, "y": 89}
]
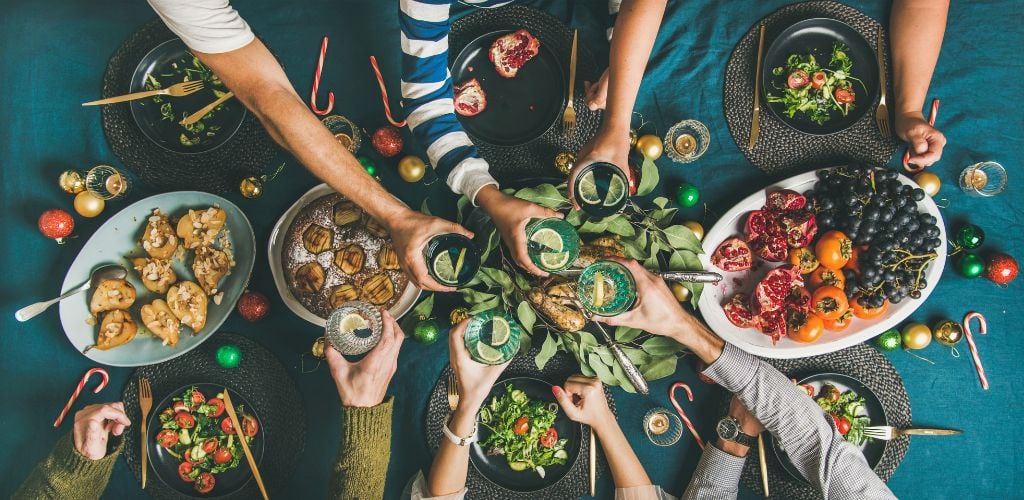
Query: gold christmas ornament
[
  {"x": 88, "y": 204},
  {"x": 411, "y": 168},
  {"x": 916, "y": 336},
  {"x": 71, "y": 182},
  {"x": 697, "y": 229},
  {"x": 457, "y": 315},
  {"x": 251, "y": 187},
  {"x": 681, "y": 292},
  {"x": 948, "y": 332},
  {"x": 564, "y": 162},
  {"x": 318, "y": 348},
  {"x": 929, "y": 182},
  {"x": 650, "y": 146},
  {"x": 633, "y": 138}
]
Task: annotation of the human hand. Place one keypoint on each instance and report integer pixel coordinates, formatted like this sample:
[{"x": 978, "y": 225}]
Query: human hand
[
  {"x": 410, "y": 232},
  {"x": 924, "y": 141},
  {"x": 510, "y": 216},
  {"x": 93, "y": 426},
  {"x": 656, "y": 310},
  {"x": 597, "y": 93},
  {"x": 609, "y": 146},
  {"x": 364, "y": 383},
  {"x": 583, "y": 400},
  {"x": 474, "y": 379}
]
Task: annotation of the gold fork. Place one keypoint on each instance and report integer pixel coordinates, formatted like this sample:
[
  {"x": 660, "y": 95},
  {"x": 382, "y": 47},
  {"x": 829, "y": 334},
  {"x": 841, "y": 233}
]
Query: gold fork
[
  {"x": 453, "y": 390},
  {"x": 145, "y": 404},
  {"x": 881, "y": 112},
  {"x": 176, "y": 90},
  {"x": 569, "y": 116}
]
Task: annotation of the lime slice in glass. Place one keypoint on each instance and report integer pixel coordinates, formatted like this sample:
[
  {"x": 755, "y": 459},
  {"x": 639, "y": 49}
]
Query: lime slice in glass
[
  {"x": 488, "y": 353},
  {"x": 588, "y": 189},
  {"x": 458, "y": 264},
  {"x": 598, "y": 290},
  {"x": 352, "y": 323},
  {"x": 444, "y": 269},
  {"x": 554, "y": 260},
  {"x": 500, "y": 331},
  {"x": 616, "y": 190},
  {"x": 549, "y": 238}
]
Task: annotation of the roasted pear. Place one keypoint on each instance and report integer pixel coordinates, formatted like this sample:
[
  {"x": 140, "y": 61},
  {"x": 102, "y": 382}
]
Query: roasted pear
[
  {"x": 200, "y": 227},
  {"x": 387, "y": 258},
  {"x": 317, "y": 239},
  {"x": 346, "y": 212},
  {"x": 159, "y": 319},
  {"x": 210, "y": 266},
  {"x": 342, "y": 294},
  {"x": 188, "y": 303},
  {"x": 378, "y": 289},
  {"x": 156, "y": 274},
  {"x": 350, "y": 259},
  {"x": 116, "y": 329},
  {"x": 310, "y": 277},
  {"x": 112, "y": 294},
  {"x": 373, "y": 227},
  {"x": 158, "y": 238}
]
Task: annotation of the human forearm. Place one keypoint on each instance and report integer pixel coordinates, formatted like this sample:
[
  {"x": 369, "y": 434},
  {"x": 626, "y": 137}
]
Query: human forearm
[
  {"x": 363, "y": 452},
  {"x": 626, "y": 469},
  {"x": 635, "y": 31},
  {"x": 451, "y": 464},
  {"x": 689, "y": 331},
  {"x": 66, "y": 473},
  {"x": 916, "y": 29}
]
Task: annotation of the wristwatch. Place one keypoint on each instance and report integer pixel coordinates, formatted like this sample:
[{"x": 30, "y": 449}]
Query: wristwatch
[
  {"x": 729, "y": 429},
  {"x": 458, "y": 440}
]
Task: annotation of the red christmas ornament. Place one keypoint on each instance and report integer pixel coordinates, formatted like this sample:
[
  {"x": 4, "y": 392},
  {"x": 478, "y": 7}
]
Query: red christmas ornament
[
  {"x": 56, "y": 224},
  {"x": 700, "y": 367},
  {"x": 253, "y": 306},
  {"x": 387, "y": 141},
  {"x": 1001, "y": 268},
  {"x": 634, "y": 178}
]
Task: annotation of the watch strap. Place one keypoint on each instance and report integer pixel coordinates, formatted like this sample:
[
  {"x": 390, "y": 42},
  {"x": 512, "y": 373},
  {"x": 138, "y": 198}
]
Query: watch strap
[
  {"x": 745, "y": 439},
  {"x": 460, "y": 441}
]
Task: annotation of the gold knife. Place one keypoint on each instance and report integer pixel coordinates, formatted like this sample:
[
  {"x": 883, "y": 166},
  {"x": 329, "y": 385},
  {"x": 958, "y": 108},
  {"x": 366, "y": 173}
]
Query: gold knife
[
  {"x": 763, "y": 464},
  {"x": 194, "y": 117},
  {"x": 593, "y": 464},
  {"x": 245, "y": 446},
  {"x": 755, "y": 122},
  {"x": 921, "y": 431}
]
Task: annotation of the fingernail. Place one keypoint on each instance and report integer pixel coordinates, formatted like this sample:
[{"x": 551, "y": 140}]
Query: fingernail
[{"x": 557, "y": 391}]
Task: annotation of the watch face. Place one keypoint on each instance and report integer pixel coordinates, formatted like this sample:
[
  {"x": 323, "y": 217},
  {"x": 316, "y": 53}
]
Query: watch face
[{"x": 727, "y": 428}]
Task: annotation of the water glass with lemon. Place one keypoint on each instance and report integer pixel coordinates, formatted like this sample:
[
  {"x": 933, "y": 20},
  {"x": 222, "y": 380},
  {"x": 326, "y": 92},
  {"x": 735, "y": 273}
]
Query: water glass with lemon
[
  {"x": 552, "y": 244},
  {"x": 354, "y": 328},
  {"x": 452, "y": 259},
  {"x": 601, "y": 189},
  {"x": 492, "y": 337},
  {"x": 606, "y": 288}
]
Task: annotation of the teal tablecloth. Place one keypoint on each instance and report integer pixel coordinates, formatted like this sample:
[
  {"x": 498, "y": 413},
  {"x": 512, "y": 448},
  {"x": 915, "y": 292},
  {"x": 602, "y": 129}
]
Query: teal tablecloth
[{"x": 54, "y": 53}]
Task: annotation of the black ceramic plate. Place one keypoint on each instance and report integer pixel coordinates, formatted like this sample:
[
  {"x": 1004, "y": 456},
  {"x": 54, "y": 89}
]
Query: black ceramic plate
[
  {"x": 519, "y": 109},
  {"x": 166, "y": 465},
  {"x": 159, "y": 64},
  {"x": 873, "y": 449},
  {"x": 495, "y": 468},
  {"x": 816, "y": 36}
]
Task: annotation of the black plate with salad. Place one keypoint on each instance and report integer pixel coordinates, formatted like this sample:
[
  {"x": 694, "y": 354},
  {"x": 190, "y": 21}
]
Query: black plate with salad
[
  {"x": 819, "y": 76},
  {"x": 194, "y": 448},
  {"x": 851, "y": 406},
  {"x": 526, "y": 442},
  {"x": 158, "y": 117}
]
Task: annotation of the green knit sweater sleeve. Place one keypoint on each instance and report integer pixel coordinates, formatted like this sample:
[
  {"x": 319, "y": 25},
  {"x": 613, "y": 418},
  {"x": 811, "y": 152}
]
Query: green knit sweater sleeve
[
  {"x": 67, "y": 474},
  {"x": 363, "y": 453}
]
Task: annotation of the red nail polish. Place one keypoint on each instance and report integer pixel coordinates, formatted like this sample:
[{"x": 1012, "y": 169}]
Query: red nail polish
[{"x": 556, "y": 390}]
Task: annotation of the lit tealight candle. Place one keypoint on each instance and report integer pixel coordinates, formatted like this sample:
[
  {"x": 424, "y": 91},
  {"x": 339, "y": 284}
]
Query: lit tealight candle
[
  {"x": 115, "y": 184},
  {"x": 344, "y": 139},
  {"x": 685, "y": 144},
  {"x": 976, "y": 179},
  {"x": 658, "y": 424}
]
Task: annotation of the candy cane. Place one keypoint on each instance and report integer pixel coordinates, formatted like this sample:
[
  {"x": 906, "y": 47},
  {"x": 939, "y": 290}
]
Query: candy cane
[
  {"x": 316, "y": 84},
  {"x": 906, "y": 154},
  {"x": 970, "y": 343},
  {"x": 78, "y": 390},
  {"x": 384, "y": 94},
  {"x": 689, "y": 394}
]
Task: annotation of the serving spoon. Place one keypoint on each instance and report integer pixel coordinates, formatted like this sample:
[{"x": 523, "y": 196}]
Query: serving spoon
[{"x": 99, "y": 275}]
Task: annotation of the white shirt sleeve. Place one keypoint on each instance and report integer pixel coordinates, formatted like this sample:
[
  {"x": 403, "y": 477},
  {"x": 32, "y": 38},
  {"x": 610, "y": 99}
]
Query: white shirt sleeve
[{"x": 208, "y": 26}]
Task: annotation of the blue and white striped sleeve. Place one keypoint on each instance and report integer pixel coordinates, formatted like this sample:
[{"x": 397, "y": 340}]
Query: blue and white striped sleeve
[{"x": 429, "y": 98}]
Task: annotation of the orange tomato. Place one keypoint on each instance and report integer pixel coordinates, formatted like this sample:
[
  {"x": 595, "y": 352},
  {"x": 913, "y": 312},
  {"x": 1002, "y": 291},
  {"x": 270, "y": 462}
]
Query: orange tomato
[
  {"x": 854, "y": 263},
  {"x": 825, "y": 276},
  {"x": 803, "y": 259},
  {"x": 865, "y": 312},
  {"x": 833, "y": 250},
  {"x": 802, "y": 326},
  {"x": 829, "y": 302},
  {"x": 838, "y": 324}
]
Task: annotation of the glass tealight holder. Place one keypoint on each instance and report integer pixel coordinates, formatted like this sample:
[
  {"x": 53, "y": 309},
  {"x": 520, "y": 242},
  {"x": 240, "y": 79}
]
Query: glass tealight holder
[
  {"x": 354, "y": 328},
  {"x": 663, "y": 427},
  {"x": 686, "y": 141},
  {"x": 987, "y": 178},
  {"x": 106, "y": 182},
  {"x": 345, "y": 131}
]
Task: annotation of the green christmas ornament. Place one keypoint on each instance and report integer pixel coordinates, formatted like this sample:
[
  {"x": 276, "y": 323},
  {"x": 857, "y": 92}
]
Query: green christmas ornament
[
  {"x": 368, "y": 164},
  {"x": 687, "y": 195},
  {"x": 970, "y": 237},
  {"x": 229, "y": 356},
  {"x": 889, "y": 340},
  {"x": 970, "y": 265},
  {"x": 426, "y": 331}
]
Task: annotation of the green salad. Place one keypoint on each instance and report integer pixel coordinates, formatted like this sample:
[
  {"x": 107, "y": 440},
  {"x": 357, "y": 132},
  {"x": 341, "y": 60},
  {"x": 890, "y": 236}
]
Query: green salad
[
  {"x": 188, "y": 68},
  {"x": 846, "y": 410},
  {"x": 522, "y": 430},
  {"x": 817, "y": 89}
]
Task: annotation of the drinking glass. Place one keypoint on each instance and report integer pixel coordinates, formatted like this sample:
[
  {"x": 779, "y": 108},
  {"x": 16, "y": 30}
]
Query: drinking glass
[
  {"x": 492, "y": 337},
  {"x": 601, "y": 189},
  {"x": 452, "y": 259},
  {"x": 606, "y": 288},
  {"x": 354, "y": 328},
  {"x": 552, "y": 243}
]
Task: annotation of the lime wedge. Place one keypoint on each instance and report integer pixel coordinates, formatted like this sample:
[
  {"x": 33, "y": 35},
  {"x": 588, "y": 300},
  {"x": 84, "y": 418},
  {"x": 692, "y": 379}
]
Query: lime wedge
[
  {"x": 616, "y": 190},
  {"x": 549, "y": 238},
  {"x": 598, "y": 289},
  {"x": 458, "y": 264},
  {"x": 443, "y": 267},
  {"x": 588, "y": 189},
  {"x": 554, "y": 260},
  {"x": 353, "y": 322},
  {"x": 500, "y": 331},
  {"x": 488, "y": 353}
]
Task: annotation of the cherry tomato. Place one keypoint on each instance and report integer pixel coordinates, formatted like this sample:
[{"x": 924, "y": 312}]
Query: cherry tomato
[
  {"x": 522, "y": 425},
  {"x": 167, "y": 438},
  {"x": 829, "y": 302},
  {"x": 218, "y": 407},
  {"x": 205, "y": 482},
  {"x": 842, "y": 424},
  {"x": 180, "y": 406},
  {"x": 808, "y": 388},
  {"x": 830, "y": 392},
  {"x": 818, "y": 79},
  {"x": 249, "y": 425},
  {"x": 549, "y": 438},
  {"x": 802, "y": 326},
  {"x": 825, "y": 276},
  {"x": 845, "y": 96},
  {"x": 197, "y": 398},
  {"x": 833, "y": 250},
  {"x": 838, "y": 324},
  {"x": 184, "y": 420},
  {"x": 186, "y": 472},
  {"x": 797, "y": 79},
  {"x": 804, "y": 260},
  {"x": 854, "y": 263},
  {"x": 227, "y": 427},
  {"x": 209, "y": 446},
  {"x": 866, "y": 312},
  {"x": 222, "y": 456}
]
